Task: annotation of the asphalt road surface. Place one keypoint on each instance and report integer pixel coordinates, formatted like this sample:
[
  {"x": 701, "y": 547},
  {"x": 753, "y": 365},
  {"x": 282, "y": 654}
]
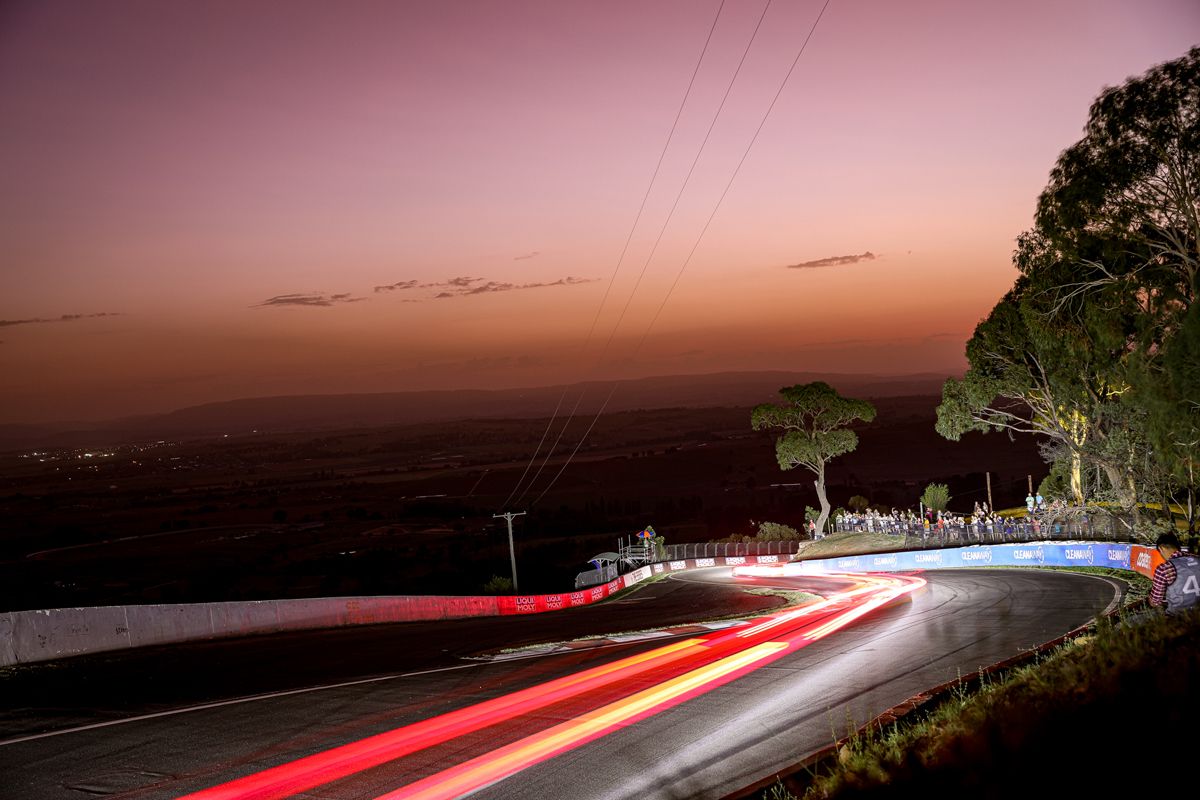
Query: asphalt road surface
[{"x": 156, "y": 742}]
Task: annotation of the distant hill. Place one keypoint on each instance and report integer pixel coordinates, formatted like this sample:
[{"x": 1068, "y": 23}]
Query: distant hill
[{"x": 314, "y": 412}]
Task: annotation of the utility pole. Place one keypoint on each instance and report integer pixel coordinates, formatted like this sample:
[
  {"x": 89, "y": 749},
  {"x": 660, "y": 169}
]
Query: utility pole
[
  {"x": 512, "y": 554},
  {"x": 991, "y": 505}
]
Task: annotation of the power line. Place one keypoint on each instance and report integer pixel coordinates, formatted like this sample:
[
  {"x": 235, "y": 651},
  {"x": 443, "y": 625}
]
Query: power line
[
  {"x": 654, "y": 249},
  {"x": 703, "y": 231},
  {"x": 612, "y": 279}
]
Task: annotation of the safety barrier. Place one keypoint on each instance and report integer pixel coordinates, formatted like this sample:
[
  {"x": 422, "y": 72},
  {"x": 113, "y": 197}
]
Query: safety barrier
[
  {"x": 30, "y": 636},
  {"x": 1137, "y": 558}
]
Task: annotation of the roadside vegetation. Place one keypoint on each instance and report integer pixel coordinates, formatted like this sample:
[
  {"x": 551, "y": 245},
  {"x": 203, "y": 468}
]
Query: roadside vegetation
[
  {"x": 1096, "y": 347},
  {"x": 1072, "y": 722}
]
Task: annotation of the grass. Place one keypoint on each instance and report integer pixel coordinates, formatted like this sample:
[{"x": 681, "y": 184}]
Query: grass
[
  {"x": 1062, "y": 725},
  {"x": 849, "y": 543}
]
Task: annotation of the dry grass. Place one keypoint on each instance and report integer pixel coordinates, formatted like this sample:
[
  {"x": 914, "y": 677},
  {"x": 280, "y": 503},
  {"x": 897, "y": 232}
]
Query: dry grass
[{"x": 850, "y": 543}]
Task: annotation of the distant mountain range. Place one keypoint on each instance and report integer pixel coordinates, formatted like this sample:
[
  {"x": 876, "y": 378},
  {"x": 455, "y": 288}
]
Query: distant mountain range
[{"x": 327, "y": 411}]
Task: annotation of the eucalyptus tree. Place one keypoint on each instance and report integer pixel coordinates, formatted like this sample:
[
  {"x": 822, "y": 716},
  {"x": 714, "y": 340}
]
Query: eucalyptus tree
[
  {"x": 815, "y": 419},
  {"x": 1122, "y": 211},
  {"x": 1090, "y": 348}
]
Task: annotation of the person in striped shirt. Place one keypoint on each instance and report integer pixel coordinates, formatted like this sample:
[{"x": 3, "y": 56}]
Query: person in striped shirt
[{"x": 1176, "y": 585}]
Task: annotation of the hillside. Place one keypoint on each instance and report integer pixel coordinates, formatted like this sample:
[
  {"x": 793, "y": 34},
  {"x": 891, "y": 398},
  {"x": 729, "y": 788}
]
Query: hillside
[{"x": 317, "y": 412}]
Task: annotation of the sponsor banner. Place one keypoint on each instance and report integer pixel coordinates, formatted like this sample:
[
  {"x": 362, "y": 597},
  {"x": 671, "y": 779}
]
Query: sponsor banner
[
  {"x": 1034, "y": 554},
  {"x": 525, "y": 605},
  {"x": 658, "y": 568},
  {"x": 639, "y": 574},
  {"x": 975, "y": 556},
  {"x": 706, "y": 562},
  {"x": 677, "y": 565},
  {"x": 1019, "y": 555},
  {"x": 884, "y": 561},
  {"x": 734, "y": 561},
  {"x": 1113, "y": 555},
  {"x": 578, "y": 599},
  {"x": 1079, "y": 555},
  {"x": 935, "y": 559},
  {"x": 1144, "y": 559},
  {"x": 767, "y": 559}
]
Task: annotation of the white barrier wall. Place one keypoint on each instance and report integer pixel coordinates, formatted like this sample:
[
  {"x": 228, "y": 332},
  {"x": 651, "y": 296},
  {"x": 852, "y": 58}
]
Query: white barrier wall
[{"x": 29, "y": 636}]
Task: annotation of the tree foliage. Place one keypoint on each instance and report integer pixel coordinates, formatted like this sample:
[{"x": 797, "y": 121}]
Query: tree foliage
[
  {"x": 777, "y": 532},
  {"x": 936, "y": 496},
  {"x": 815, "y": 419},
  {"x": 858, "y": 503},
  {"x": 1097, "y": 345}
]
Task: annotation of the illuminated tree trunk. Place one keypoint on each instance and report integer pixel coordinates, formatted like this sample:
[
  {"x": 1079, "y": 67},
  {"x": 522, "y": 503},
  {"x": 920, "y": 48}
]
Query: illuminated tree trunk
[
  {"x": 822, "y": 500},
  {"x": 1079, "y": 431},
  {"x": 1123, "y": 487}
]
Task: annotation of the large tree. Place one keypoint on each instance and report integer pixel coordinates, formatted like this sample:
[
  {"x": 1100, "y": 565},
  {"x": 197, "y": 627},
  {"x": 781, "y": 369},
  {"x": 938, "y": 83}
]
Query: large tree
[
  {"x": 815, "y": 418},
  {"x": 1092, "y": 347}
]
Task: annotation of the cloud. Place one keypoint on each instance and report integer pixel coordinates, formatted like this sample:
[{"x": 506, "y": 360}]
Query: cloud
[
  {"x": 397, "y": 286},
  {"x": 834, "y": 261},
  {"x": 458, "y": 283},
  {"x": 462, "y": 287},
  {"x": 311, "y": 299},
  {"x": 527, "y": 256},
  {"x": 6, "y": 323}
]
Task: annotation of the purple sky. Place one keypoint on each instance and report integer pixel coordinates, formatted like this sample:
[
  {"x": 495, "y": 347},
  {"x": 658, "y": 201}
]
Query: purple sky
[{"x": 200, "y": 199}]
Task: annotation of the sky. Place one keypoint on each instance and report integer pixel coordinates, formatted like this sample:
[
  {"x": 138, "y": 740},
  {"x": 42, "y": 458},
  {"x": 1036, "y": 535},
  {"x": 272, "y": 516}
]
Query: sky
[{"x": 201, "y": 201}]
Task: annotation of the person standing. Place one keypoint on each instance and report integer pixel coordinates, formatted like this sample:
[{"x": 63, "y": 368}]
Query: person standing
[
  {"x": 1176, "y": 586},
  {"x": 1029, "y": 501}
]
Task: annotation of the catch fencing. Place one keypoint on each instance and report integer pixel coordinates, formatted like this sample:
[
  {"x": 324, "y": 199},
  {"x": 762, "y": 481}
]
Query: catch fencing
[
  {"x": 1101, "y": 528},
  {"x": 674, "y": 552}
]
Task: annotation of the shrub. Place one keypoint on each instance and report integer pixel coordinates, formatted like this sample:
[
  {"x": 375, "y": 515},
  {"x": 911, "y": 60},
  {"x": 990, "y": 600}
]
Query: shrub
[
  {"x": 498, "y": 585},
  {"x": 936, "y": 496}
]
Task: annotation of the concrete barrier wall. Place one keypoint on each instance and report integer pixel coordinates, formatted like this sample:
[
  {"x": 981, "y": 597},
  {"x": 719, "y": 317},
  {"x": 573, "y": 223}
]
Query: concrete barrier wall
[
  {"x": 29, "y": 636},
  {"x": 8, "y": 653}
]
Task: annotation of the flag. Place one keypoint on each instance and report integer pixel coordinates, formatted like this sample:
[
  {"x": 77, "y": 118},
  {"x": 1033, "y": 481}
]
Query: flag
[{"x": 647, "y": 532}]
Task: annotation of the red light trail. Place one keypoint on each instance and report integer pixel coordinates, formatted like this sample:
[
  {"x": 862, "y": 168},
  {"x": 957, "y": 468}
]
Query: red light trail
[{"x": 682, "y": 670}]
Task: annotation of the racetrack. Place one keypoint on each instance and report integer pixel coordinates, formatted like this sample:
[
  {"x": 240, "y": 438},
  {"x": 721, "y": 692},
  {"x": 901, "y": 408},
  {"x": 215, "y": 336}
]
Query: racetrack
[{"x": 712, "y": 742}]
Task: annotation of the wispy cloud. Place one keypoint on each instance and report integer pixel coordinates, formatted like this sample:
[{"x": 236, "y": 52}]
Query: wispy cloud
[
  {"x": 397, "y": 286},
  {"x": 834, "y": 261},
  {"x": 6, "y": 323},
  {"x": 312, "y": 299},
  {"x": 465, "y": 285},
  {"x": 462, "y": 287},
  {"x": 527, "y": 256}
]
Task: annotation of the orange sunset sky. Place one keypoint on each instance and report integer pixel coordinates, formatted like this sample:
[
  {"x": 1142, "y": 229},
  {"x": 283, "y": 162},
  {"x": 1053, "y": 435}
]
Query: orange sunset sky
[{"x": 208, "y": 200}]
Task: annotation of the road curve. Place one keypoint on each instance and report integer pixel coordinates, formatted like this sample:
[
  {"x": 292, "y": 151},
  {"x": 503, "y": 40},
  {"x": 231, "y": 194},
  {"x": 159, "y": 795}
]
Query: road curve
[{"x": 707, "y": 746}]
